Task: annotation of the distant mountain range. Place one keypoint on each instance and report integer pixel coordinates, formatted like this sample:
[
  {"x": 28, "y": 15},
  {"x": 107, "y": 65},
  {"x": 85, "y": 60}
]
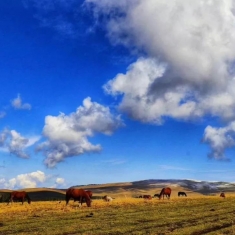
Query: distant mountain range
[
  {"x": 203, "y": 187},
  {"x": 132, "y": 189}
]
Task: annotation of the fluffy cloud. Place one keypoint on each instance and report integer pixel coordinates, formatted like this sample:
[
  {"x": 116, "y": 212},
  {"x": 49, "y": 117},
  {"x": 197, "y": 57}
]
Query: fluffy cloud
[
  {"x": 196, "y": 41},
  {"x": 188, "y": 68},
  {"x": 140, "y": 103},
  {"x": 29, "y": 180},
  {"x": 15, "y": 143},
  {"x": 67, "y": 135},
  {"x": 185, "y": 68},
  {"x": 17, "y": 104},
  {"x": 219, "y": 139},
  {"x": 59, "y": 182}
]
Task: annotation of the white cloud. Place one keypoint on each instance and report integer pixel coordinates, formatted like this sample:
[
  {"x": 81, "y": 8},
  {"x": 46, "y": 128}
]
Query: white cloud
[
  {"x": 17, "y": 144},
  {"x": 13, "y": 142},
  {"x": 60, "y": 181},
  {"x": 138, "y": 101},
  {"x": 187, "y": 71},
  {"x": 17, "y": 103},
  {"x": 197, "y": 42},
  {"x": 188, "y": 68},
  {"x": 68, "y": 134},
  {"x": 28, "y": 180},
  {"x": 219, "y": 139}
]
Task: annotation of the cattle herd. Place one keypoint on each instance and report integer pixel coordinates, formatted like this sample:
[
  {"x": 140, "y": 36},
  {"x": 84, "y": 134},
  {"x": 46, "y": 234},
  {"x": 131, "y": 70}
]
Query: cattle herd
[{"x": 82, "y": 195}]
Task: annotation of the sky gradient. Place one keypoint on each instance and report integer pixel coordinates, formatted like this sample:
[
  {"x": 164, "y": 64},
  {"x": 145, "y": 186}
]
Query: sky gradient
[{"x": 100, "y": 91}]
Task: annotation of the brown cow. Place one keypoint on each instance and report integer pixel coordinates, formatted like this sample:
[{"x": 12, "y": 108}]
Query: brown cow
[
  {"x": 19, "y": 195},
  {"x": 165, "y": 192},
  {"x": 83, "y": 199},
  {"x": 77, "y": 195},
  {"x": 149, "y": 197},
  {"x": 222, "y": 195}
]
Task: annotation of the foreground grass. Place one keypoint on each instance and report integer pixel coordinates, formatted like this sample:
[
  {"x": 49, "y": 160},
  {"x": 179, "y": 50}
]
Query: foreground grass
[{"x": 189, "y": 216}]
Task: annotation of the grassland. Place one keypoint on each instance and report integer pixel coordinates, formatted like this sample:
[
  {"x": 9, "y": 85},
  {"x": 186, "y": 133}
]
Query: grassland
[
  {"x": 124, "y": 215},
  {"x": 203, "y": 212}
]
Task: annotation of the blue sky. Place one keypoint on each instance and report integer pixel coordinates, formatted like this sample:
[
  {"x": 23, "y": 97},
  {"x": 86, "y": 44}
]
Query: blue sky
[{"x": 101, "y": 91}]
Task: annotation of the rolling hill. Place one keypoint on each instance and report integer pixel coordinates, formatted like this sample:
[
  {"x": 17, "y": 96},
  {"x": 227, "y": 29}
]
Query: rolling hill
[{"x": 132, "y": 189}]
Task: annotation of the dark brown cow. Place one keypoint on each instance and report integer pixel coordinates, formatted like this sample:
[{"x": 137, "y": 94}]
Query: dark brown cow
[
  {"x": 19, "y": 195},
  {"x": 77, "y": 195},
  {"x": 165, "y": 192},
  {"x": 222, "y": 195},
  {"x": 149, "y": 197},
  {"x": 182, "y": 194}
]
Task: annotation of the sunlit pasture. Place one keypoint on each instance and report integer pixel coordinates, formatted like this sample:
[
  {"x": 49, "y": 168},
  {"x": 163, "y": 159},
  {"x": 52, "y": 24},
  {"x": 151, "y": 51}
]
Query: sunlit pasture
[{"x": 194, "y": 215}]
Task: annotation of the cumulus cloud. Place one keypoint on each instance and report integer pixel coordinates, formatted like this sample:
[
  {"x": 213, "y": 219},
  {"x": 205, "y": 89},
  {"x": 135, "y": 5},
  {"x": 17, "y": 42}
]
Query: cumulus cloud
[
  {"x": 17, "y": 103},
  {"x": 15, "y": 143},
  {"x": 28, "y": 180},
  {"x": 187, "y": 71},
  {"x": 196, "y": 41},
  {"x": 67, "y": 135},
  {"x": 219, "y": 139},
  {"x": 186, "y": 50}
]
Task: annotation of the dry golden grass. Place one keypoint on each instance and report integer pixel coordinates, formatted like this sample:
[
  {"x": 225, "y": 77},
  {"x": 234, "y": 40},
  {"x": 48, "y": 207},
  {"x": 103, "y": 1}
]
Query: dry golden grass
[{"x": 197, "y": 215}]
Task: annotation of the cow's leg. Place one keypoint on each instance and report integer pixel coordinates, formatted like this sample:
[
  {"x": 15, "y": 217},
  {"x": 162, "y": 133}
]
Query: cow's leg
[
  {"x": 9, "y": 201},
  {"x": 80, "y": 200},
  {"x": 67, "y": 200}
]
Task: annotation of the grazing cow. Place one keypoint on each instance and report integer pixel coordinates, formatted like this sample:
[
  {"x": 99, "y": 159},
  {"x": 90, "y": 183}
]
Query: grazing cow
[
  {"x": 156, "y": 195},
  {"x": 165, "y": 192},
  {"x": 182, "y": 194},
  {"x": 222, "y": 195},
  {"x": 77, "y": 195},
  {"x": 19, "y": 195},
  {"x": 83, "y": 199},
  {"x": 149, "y": 197},
  {"x": 107, "y": 198},
  {"x": 140, "y": 196}
]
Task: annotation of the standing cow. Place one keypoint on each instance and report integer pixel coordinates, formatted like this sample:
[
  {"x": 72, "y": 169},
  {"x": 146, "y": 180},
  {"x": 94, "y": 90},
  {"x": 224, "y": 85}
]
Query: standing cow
[{"x": 222, "y": 195}]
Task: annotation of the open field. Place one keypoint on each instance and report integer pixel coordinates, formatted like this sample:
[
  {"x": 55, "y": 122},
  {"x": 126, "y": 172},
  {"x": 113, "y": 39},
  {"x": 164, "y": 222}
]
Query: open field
[
  {"x": 202, "y": 212},
  {"x": 189, "y": 216}
]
